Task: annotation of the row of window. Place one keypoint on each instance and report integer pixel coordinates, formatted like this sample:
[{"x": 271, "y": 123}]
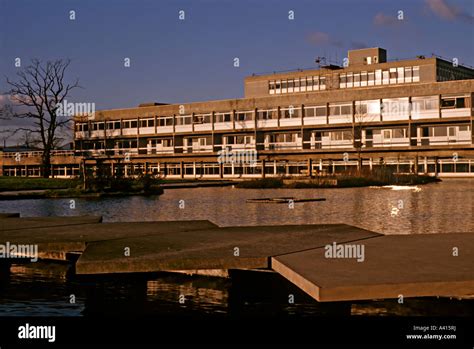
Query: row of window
[
  {"x": 380, "y": 77},
  {"x": 449, "y": 74},
  {"x": 455, "y": 132},
  {"x": 302, "y": 84},
  {"x": 370, "y": 107}
]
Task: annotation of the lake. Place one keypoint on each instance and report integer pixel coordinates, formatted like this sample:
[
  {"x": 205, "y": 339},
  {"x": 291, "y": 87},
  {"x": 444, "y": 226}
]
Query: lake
[{"x": 47, "y": 288}]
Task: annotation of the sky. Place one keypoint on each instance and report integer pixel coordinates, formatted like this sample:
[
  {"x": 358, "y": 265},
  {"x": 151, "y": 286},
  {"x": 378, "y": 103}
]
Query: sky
[{"x": 180, "y": 61}]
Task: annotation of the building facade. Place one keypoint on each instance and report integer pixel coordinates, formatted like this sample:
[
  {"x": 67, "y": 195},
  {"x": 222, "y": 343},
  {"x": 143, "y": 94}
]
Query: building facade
[{"x": 412, "y": 115}]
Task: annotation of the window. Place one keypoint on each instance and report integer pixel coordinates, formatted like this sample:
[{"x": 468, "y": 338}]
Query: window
[
  {"x": 117, "y": 125},
  {"x": 363, "y": 78},
  {"x": 361, "y": 108},
  {"x": 385, "y": 77},
  {"x": 393, "y": 75},
  {"x": 165, "y": 121},
  {"x": 291, "y": 113},
  {"x": 424, "y": 103},
  {"x": 271, "y": 85},
  {"x": 222, "y": 117},
  {"x": 378, "y": 77},
  {"x": 373, "y": 107},
  {"x": 291, "y": 84},
  {"x": 342, "y": 80},
  {"x": 321, "y": 111},
  {"x": 356, "y": 79},
  {"x": 371, "y": 78},
  {"x": 244, "y": 116},
  {"x": 349, "y": 80},
  {"x": 343, "y": 109},
  {"x": 134, "y": 124},
  {"x": 399, "y": 133},
  {"x": 322, "y": 83},
  {"x": 453, "y": 102},
  {"x": 400, "y": 75},
  {"x": 278, "y": 86},
  {"x": 309, "y": 84},
  {"x": 448, "y": 103},
  {"x": 315, "y": 111},
  {"x": 340, "y": 135},
  {"x": 438, "y": 132},
  {"x": 183, "y": 120},
  {"x": 315, "y": 83},
  {"x": 408, "y": 74},
  {"x": 266, "y": 114},
  {"x": 416, "y": 74},
  {"x": 460, "y": 102}
]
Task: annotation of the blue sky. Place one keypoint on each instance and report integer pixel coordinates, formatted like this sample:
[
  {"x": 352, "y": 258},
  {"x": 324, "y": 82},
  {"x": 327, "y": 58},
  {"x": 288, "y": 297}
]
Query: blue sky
[{"x": 183, "y": 61}]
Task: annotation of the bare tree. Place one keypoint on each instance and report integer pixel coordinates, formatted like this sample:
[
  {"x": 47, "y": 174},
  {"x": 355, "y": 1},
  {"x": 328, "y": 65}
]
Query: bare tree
[
  {"x": 37, "y": 94},
  {"x": 361, "y": 117}
]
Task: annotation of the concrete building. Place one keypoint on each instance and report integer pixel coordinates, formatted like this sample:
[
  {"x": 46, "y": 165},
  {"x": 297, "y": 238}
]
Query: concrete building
[{"x": 411, "y": 115}]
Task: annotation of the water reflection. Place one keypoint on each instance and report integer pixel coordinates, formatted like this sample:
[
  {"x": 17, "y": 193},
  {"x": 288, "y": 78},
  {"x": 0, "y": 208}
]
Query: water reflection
[
  {"x": 436, "y": 208},
  {"x": 38, "y": 289}
]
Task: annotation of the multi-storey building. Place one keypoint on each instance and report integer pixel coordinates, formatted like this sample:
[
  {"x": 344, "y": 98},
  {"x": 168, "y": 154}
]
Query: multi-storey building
[{"x": 409, "y": 114}]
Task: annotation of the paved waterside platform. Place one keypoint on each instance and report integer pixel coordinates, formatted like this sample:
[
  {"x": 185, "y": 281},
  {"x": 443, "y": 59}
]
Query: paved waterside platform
[{"x": 392, "y": 265}]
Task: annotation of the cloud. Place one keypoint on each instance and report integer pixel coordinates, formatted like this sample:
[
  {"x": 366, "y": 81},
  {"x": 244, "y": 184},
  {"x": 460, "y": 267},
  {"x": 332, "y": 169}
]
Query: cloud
[
  {"x": 449, "y": 12},
  {"x": 320, "y": 38},
  {"x": 384, "y": 20}
]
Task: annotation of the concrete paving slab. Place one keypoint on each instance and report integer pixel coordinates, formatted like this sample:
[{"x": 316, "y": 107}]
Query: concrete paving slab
[
  {"x": 410, "y": 265},
  {"x": 74, "y": 237},
  {"x": 46, "y": 222},
  {"x": 222, "y": 248}
]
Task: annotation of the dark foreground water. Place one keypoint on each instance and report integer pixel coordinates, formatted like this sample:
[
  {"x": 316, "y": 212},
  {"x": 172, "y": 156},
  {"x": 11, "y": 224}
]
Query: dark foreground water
[{"x": 53, "y": 289}]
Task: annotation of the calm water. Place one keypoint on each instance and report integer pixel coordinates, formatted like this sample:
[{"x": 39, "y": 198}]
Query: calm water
[
  {"x": 435, "y": 208},
  {"x": 46, "y": 289}
]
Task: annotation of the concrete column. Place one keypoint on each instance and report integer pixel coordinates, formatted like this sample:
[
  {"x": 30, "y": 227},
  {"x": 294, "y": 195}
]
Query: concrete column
[
  {"x": 181, "y": 165},
  {"x": 425, "y": 165},
  {"x": 371, "y": 164},
  {"x": 278, "y": 116},
  {"x": 310, "y": 168},
  {"x": 232, "y": 171},
  {"x": 320, "y": 165},
  {"x": 194, "y": 169},
  {"x": 221, "y": 170},
  {"x": 263, "y": 168},
  {"x": 274, "y": 167}
]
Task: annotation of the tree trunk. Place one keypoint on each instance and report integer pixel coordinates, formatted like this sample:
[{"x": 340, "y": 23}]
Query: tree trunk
[{"x": 46, "y": 165}]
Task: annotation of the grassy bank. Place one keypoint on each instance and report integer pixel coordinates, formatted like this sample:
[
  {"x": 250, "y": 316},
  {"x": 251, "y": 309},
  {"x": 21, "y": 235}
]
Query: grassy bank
[
  {"x": 38, "y": 188},
  {"x": 29, "y": 183}
]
